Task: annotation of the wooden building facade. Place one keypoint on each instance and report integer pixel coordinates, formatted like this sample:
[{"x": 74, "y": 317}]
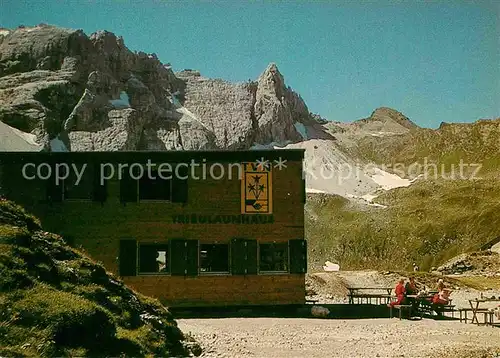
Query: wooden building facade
[{"x": 187, "y": 227}]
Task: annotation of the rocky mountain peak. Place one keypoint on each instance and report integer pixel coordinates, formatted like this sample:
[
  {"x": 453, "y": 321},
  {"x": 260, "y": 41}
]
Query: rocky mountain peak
[
  {"x": 93, "y": 93},
  {"x": 272, "y": 80},
  {"x": 384, "y": 114}
]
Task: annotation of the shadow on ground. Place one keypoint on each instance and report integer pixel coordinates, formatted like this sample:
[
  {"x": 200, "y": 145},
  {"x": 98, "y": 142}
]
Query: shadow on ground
[{"x": 337, "y": 311}]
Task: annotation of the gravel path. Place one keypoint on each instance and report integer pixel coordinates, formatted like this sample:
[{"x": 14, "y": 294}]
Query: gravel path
[{"x": 298, "y": 337}]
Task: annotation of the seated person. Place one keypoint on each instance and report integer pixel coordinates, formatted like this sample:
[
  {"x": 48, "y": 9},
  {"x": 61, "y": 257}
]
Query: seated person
[
  {"x": 400, "y": 293},
  {"x": 411, "y": 287},
  {"x": 440, "y": 300},
  {"x": 440, "y": 285}
]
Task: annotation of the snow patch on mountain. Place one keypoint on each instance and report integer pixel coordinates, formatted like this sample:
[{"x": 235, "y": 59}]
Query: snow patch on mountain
[
  {"x": 28, "y": 137},
  {"x": 331, "y": 170},
  {"x": 388, "y": 181},
  {"x": 368, "y": 200},
  {"x": 315, "y": 191},
  {"x": 14, "y": 140},
  {"x": 369, "y": 197},
  {"x": 272, "y": 145}
]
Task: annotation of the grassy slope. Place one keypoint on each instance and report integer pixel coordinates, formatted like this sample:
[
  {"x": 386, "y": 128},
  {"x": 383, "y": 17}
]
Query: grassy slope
[
  {"x": 427, "y": 223},
  {"x": 477, "y": 142},
  {"x": 55, "y": 301}
]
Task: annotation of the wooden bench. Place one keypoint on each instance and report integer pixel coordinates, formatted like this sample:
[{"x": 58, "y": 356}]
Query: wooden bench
[
  {"x": 355, "y": 293},
  {"x": 401, "y": 308},
  {"x": 488, "y": 315},
  {"x": 439, "y": 309},
  {"x": 368, "y": 297}
]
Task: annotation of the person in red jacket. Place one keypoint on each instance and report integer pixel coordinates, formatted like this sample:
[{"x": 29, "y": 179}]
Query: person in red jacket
[
  {"x": 442, "y": 298},
  {"x": 400, "y": 293}
]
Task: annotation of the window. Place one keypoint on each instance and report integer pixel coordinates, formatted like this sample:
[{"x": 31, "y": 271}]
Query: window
[
  {"x": 153, "y": 258},
  {"x": 134, "y": 186},
  {"x": 154, "y": 187},
  {"x": 273, "y": 257},
  {"x": 214, "y": 258},
  {"x": 78, "y": 188}
]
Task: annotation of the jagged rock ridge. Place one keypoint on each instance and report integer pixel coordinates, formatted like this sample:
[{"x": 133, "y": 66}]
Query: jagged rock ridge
[
  {"x": 93, "y": 93},
  {"x": 263, "y": 111}
]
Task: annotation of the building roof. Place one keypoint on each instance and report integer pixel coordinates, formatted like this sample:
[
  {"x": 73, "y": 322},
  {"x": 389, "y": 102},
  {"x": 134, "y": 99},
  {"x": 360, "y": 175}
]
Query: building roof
[{"x": 173, "y": 156}]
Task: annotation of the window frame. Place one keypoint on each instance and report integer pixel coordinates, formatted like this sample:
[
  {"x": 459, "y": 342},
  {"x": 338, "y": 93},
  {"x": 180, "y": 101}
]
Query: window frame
[
  {"x": 64, "y": 198},
  {"x": 287, "y": 261},
  {"x": 139, "y": 200},
  {"x": 90, "y": 194},
  {"x": 215, "y": 273},
  {"x": 168, "y": 258},
  {"x": 174, "y": 191}
]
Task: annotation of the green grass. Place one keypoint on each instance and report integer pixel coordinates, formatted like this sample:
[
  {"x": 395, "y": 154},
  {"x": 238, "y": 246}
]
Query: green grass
[
  {"x": 447, "y": 146},
  {"x": 426, "y": 223},
  {"x": 55, "y": 301},
  {"x": 480, "y": 282}
]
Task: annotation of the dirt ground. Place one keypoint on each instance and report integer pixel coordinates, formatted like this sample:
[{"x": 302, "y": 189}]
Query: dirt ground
[
  {"x": 298, "y": 337},
  {"x": 314, "y": 337}
]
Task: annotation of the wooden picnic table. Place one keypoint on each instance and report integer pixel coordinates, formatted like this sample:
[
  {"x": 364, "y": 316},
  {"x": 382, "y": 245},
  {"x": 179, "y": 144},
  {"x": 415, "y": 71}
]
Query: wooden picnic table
[
  {"x": 354, "y": 293},
  {"x": 424, "y": 304},
  {"x": 423, "y": 297},
  {"x": 474, "y": 305}
]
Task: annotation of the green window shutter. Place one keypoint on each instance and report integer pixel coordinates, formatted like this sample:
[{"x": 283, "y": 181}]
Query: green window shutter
[
  {"x": 99, "y": 192},
  {"x": 243, "y": 257},
  {"x": 180, "y": 185},
  {"x": 177, "y": 257},
  {"x": 238, "y": 252},
  {"x": 128, "y": 257},
  {"x": 184, "y": 257},
  {"x": 54, "y": 191},
  {"x": 298, "y": 256},
  {"x": 128, "y": 187},
  {"x": 251, "y": 258},
  {"x": 192, "y": 258}
]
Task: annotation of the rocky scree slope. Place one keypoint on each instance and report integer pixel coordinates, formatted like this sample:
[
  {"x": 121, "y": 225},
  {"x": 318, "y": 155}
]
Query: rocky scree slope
[
  {"x": 333, "y": 162},
  {"x": 55, "y": 301},
  {"x": 94, "y": 94}
]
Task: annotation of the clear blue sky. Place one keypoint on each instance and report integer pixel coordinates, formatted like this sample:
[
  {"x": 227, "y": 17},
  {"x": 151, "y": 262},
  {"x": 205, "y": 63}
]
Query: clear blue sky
[{"x": 435, "y": 61}]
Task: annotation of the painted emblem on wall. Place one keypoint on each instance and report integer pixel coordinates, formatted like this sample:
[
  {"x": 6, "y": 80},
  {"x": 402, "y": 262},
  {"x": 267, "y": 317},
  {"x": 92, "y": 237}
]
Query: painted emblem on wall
[{"x": 256, "y": 189}]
